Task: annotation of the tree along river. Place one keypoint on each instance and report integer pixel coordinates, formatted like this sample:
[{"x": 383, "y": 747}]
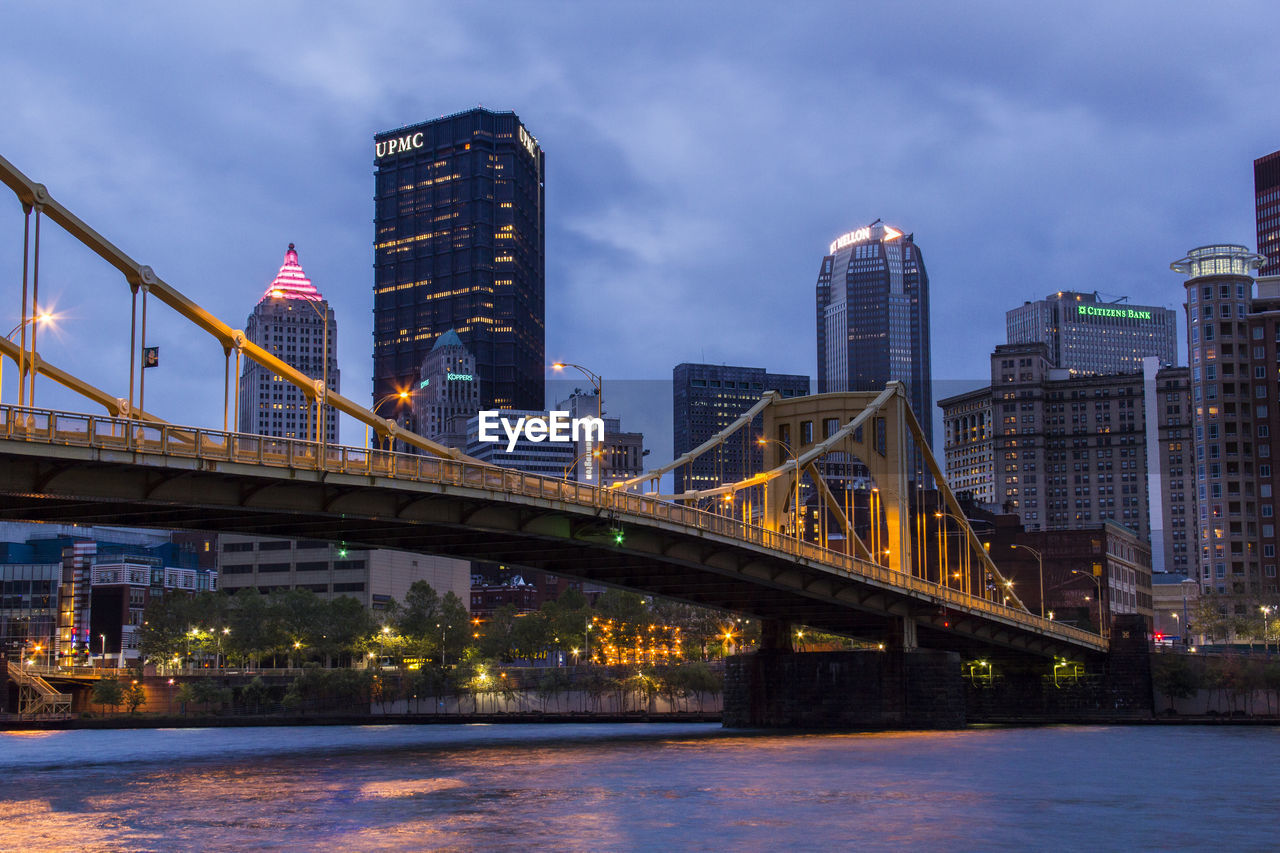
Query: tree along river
[{"x": 639, "y": 787}]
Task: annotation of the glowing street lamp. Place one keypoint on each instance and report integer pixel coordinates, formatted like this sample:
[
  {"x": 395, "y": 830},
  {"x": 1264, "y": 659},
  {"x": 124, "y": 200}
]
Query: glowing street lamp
[
  {"x": 1102, "y": 631},
  {"x": 1040, "y": 560},
  {"x": 401, "y": 396},
  {"x": 597, "y": 382},
  {"x": 43, "y": 318},
  {"x": 795, "y": 502},
  {"x": 597, "y": 453}
]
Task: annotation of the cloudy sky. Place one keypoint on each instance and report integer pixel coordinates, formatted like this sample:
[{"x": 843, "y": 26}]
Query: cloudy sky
[{"x": 700, "y": 157}]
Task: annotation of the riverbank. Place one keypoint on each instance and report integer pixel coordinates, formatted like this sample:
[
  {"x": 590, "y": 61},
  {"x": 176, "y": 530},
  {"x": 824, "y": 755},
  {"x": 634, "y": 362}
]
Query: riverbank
[
  {"x": 140, "y": 721},
  {"x": 124, "y": 722}
]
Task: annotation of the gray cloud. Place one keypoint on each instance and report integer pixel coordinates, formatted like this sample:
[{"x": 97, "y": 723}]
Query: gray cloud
[{"x": 699, "y": 159}]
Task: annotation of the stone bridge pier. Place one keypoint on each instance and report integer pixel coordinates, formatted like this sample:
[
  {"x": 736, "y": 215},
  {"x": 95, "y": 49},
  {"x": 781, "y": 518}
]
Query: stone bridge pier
[{"x": 900, "y": 686}]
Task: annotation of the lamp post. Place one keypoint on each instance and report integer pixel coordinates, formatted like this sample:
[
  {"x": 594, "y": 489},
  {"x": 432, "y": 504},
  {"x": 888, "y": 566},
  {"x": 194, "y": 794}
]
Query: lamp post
[
  {"x": 402, "y": 396},
  {"x": 1186, "y": 623},
  {"x": 224, "y": 632},
  {"x": 795, "y": 503},
  {"x": 103, "y": 654},
  {"x": 597, "y": 383},
  {"x": 1102, "y": 630},
  {"x": 1266, "y": 612},
  {"x": 1040, "y": 560},
  {"x": 324, "y": 369},
  {"x": 597, "y": 453},
  {"x": 42, "y": 318},
  {"x": 964, "y": 553}
]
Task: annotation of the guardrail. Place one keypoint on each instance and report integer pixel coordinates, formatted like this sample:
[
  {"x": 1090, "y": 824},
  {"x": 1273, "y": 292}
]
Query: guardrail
[{"x": 108, "y": 433}]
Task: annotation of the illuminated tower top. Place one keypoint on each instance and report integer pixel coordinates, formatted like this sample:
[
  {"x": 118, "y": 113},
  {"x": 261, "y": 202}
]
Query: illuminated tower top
[{"x": 291, "y": 282}]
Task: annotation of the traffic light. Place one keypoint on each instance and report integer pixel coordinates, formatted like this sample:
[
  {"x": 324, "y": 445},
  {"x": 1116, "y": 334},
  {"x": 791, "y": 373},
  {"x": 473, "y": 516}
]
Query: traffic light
[{"x": 618, "y": 536}]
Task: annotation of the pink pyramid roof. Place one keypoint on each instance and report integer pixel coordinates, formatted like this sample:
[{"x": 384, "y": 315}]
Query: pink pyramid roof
[{"x": 291, "y": 282}]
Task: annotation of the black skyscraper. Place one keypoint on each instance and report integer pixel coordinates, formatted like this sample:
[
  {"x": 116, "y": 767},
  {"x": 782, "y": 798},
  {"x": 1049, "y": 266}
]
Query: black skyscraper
[
  {"x": 458, "y": 244},
  {"x": 873, "y": 317},
  {"x": 708, "y": 398},
  {"x": 1266, "y": 194}
]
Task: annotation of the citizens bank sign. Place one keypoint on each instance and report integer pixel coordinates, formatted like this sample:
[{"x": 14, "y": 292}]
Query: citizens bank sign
[
  {"x": 556, "y": 427},
  {"x": 1117, "y": 313},
  {"x": 398, "y": 145}
]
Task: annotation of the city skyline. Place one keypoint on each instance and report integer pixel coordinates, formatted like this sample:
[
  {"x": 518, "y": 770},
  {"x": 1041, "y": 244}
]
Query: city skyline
[{"x": 648, "y": 233}]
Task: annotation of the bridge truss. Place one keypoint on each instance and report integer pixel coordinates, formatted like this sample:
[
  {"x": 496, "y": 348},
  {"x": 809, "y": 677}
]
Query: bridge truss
[{"x": 838, "y": 529}]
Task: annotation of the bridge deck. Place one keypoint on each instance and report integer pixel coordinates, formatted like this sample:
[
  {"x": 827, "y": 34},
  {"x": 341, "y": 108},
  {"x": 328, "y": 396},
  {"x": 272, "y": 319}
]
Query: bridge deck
[{"x": 79, "y": 467}]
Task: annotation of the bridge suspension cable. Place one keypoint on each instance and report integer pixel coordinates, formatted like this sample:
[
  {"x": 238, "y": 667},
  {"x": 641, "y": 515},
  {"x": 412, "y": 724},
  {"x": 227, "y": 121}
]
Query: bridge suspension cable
[{"x": 142, "y": 278}]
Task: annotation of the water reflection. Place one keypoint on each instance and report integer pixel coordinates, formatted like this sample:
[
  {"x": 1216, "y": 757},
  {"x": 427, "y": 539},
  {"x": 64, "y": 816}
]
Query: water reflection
[{"x": 633, "y": 787}]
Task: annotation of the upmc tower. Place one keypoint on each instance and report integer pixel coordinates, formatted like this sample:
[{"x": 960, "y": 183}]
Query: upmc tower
[
  {"x": 458, "y": 244},
  {"x": 873, "y": 317}
]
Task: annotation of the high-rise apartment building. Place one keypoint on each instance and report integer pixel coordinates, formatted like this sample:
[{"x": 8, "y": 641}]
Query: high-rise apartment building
[
  {"x": 1226, "y": 399},
  {"x": 1085, "y": 335},
  {"x": 1069, "y": 452},
  {"x": 458, "y": 245},
  {"x": 1264, "y": 357},
  {"x": 707, "y": 398},
  {"x": 290, "y": 322},
  {"x": 873, "y": 317},
  {"x": 1266, "y": 198}
]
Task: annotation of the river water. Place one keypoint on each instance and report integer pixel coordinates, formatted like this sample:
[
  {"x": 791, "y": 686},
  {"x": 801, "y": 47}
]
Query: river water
[{"x": 639, "y": 787}]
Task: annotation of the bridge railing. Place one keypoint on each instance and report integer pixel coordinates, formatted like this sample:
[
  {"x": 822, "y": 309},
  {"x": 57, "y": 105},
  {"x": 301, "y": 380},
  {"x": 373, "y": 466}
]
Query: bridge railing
[{"x": 108, "y": 433}]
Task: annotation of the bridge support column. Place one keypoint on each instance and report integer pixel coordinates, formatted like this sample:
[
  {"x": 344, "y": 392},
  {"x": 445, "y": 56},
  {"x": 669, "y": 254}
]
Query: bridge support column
[
  {"x": 902, "y": 634},
  {"x": 867, "y": 689},
  {"x": 775, "y": 636}
]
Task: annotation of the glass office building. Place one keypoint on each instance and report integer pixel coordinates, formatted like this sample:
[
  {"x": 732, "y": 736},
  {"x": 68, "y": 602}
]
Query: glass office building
[
  {"x": 706, "y": 399},
  {"x": 459, "y": 223},
  {"x": 873, "y": 317}
]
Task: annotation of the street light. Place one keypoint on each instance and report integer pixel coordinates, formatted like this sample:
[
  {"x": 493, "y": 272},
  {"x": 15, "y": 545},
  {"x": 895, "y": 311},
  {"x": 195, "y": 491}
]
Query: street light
[
  {"x": 401, "y": 396},
  {"x": 795, "y": 503},
  {"x": 324, "y": 370},
  {"x": 964, "y": 554},
  {"x": 597, "y": 383},
  {"x": 597, "y": 453},
  {"x": 1040, "y": 560},
  {"x": 1266, "y": 612},
  {"x": 1102, "y": 631},
  {"x": 225, "y": 631},
  {"x": 103, "y": 639},
  {"x": 42, "y": 318}
]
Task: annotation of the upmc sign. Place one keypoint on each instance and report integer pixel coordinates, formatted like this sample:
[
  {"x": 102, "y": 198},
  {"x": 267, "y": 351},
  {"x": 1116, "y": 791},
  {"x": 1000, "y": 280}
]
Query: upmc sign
[{"x": 398, "y": 144}]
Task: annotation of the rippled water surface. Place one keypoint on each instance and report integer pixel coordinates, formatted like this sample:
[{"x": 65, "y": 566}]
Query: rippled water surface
[{"x": 639, "y": 787}]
